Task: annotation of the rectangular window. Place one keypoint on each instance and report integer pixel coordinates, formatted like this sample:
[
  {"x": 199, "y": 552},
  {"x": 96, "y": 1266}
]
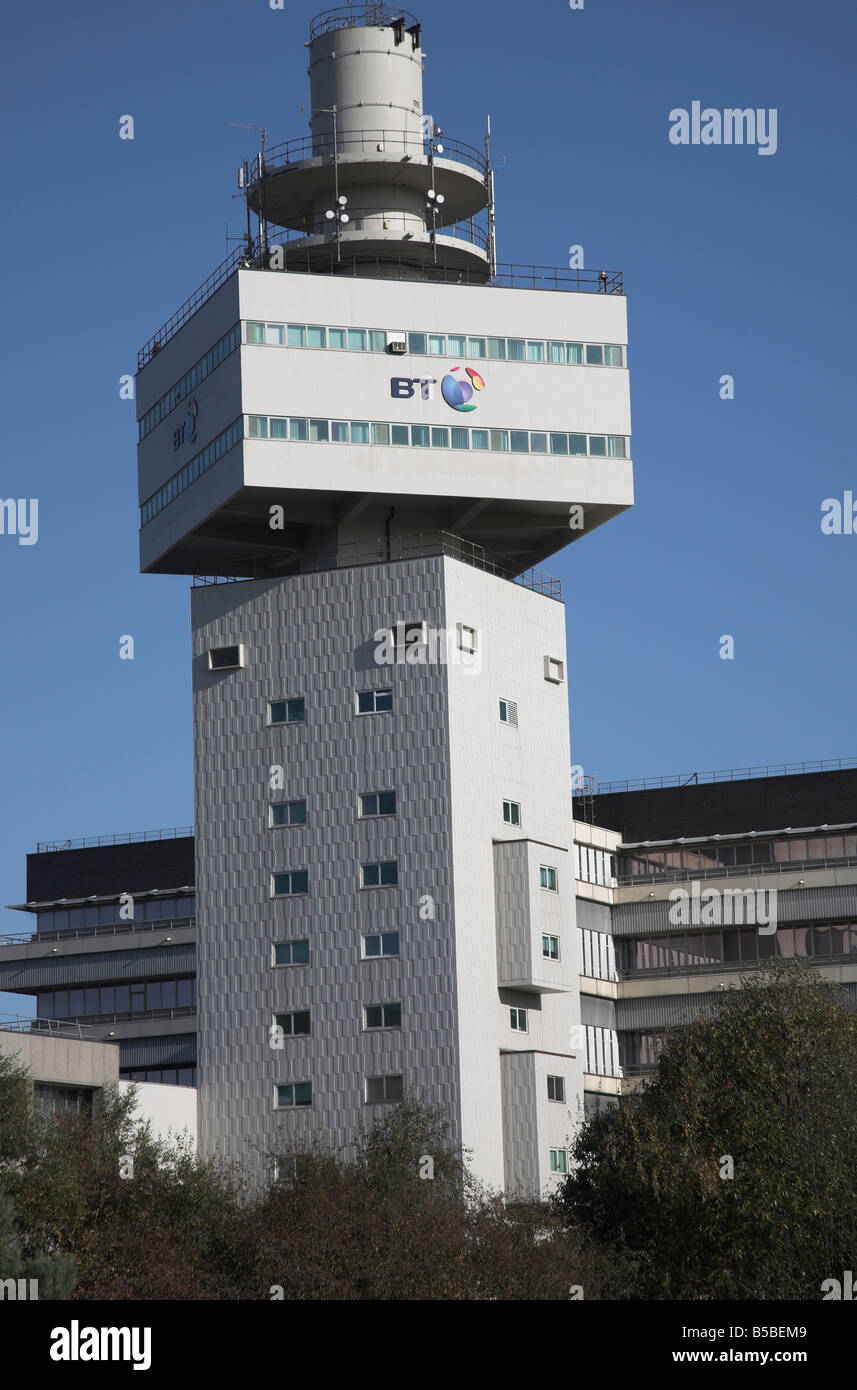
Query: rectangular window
[
  {"x": 291, "y": 884},
  {"x": 374, "y": 701},
  {"x": 559, "y": 443},
  {"x": 383, "y": 1088},
  {"x": 460, "y": 438},
  {"x": 577, "y": 444},
  {"x": 468, "y": 638},
  {"x": 336, "y": 339},
  {"x": 547, "y": 877},
  {"x": 419, "y": 436},
  {"x": 535, "y": 352},
  {"x": 279, "y": 429},
  {"x": 594, "y": 355},
  {"x": 377, "y": 340},
  {"x": 538, "y": 443},
  {"x": 339, "y": 431},
  {"x": 287, "y": 711},
  {"x": 380, "y": 434},
  {"x": 383, "y": 1016},
  {"x": 598, "y": 446},
  {"x": 439, "y": 437},
  {"x": 400, "y": 434},
  {"x": 288, "y": 813},
  {"x": 556, "y": 352},
  {"x": 517, "y": 349},
  {"x": 417, "y": 344},
  {"x": 550, "y": 947},
  {"x": 359, "y": 432},
  {"x": 556, "y": 1088},
  {"x": 295, "y": 1024},
  {"x": 297, "y": 1093},
  {"x": 291, "y": 953},
  {"x": 574, "y": 353},
  {"x": 298, "y": 430},
  {"x": 380, "y": 944},
  {"x": 520, "y": 441},
  {"x": 476, "y": 347},
  {"x": 479, "y": 439},
  {"x": 257, "y": 427},
  {"x": 613, "y": 355},
  {"x": 274, "y": 334},
  {"x": 518, "y": 1020},
  {"x": 512, "y": 812},
  {"x": 319, "y": 431},
  {"x": 558, "y": 1160},
  {"x": 500, "y": 441},
  {"x": 225, "y": 658},
  {"x": 437, "y": 344},
  {"x": 315, "y": 336},
  {"x": 384, "y": 875},
  {"x": 496, "y": 349},
  {"x": 296, "y": 335},
  {"x": 616, "y": 446},
  {"x": 378, "y": 804},
  {"x": 457, "y": 345},
  {"x": 255, "y": 333},
  {"x": 554, "y": 670},
  {"x": 509, "y": 713},
  {"x": 357, "y": 339}
]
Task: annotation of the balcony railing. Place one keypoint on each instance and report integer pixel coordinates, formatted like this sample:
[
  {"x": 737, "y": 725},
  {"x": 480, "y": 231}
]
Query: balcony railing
[
  {"x": 97, "y": 1020},
  {"x": 54, "y": 1027},
  {"x": 365, "y": 144},
  {"x": 316, "y": 224},
  {"x": 736, "y": 871},
  {"x": 358, "y": 16},
  {"x": 111, "y": 929},
  {"x": 378, "y": 551},
  {"x": 131, "y": 837}
]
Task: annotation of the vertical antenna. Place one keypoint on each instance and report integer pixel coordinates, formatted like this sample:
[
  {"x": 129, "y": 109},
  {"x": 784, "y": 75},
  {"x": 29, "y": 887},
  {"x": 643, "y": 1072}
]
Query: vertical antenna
[{"x": 492, "y": 227}]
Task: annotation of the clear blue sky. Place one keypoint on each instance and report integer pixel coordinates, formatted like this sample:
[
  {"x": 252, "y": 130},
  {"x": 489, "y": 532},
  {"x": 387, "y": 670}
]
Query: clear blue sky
[{"x": 733, "y": 262}]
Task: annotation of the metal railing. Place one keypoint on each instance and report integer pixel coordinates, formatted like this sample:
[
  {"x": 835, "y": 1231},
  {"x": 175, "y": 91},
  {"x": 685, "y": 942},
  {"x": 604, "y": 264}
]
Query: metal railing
[
  {"x": 507, "y": 276},
  {"x": 379, "y": 551},
  {"x": 366, "y": 144},
  {"x": 131, "y": 837},
  {"x": 114, "y": 929},
  {"x": 55, "y": 1027},
  {"x": 358, "y": 16},
  {"x": 737, "y": 870},
  {"x": 731, "y": 967},
  {"x": 97, "y": 1020},
  {"x": 731, "y": 774},
  {"x": 315, "y": 224}
]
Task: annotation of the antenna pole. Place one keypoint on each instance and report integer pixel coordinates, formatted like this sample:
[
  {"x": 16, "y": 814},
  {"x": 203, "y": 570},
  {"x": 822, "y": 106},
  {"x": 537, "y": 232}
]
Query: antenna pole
[{"x": 492, "y": 225}]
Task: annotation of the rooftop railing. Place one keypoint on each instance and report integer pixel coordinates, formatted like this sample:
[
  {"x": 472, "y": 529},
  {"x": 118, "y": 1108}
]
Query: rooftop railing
[
  {"x": 366, "y": 144},
  {"x": 731, "y": 774},
  {"x": 316, "y": 224},
  {"x": 77, "y": 933},
  {"x": 379, "y": 551},
  {"x": 358, "y": 16},
  {"x": 54, "y": 1027},
  {"x": 507, "y": 276},
  {"x": 132, "y": 837}
]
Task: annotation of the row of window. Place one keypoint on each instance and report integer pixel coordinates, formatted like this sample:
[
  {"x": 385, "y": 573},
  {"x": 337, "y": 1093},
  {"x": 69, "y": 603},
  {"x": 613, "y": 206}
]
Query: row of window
[
  {"x": 290, "y": 883},
  {"x": 370, "y": 805},
  {"x": 107, "y": 914},
  {"x": 375, "y": 946},
  {"x": 598, "y": 955},
  {"x": 602, "y": 1052},
  {"x": 686, "y": 950},
  {"x": 165, "y": 1076},
  {"x": 301, "y": 429},
  {"x": 297, "y": 1023},
  {"x": 315, "y": 335},
  {"x": 192, "y": 470},
  {"x": 595, "y": 866},
  {"x": 117, "y": 999},
  {"x": 377, "y": 1090},
  {"x": 365, "y": 702},
  {"x": 797, "y": 849},
  {"x": 189, "y": 382}
]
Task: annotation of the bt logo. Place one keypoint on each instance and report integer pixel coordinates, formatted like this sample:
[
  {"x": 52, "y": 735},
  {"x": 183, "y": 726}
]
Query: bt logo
[
  {"x": 186, "y": 432},
  {"x": 402, "y": 387},
  {"x": 457, "y": 392}
]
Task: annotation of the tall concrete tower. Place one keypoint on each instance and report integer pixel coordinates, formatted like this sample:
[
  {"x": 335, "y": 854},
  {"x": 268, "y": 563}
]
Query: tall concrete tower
[{"x": 365, "y": 433}]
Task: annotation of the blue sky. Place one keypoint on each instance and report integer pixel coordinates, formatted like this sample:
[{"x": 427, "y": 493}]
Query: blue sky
[{"x": 733, "y": 262}]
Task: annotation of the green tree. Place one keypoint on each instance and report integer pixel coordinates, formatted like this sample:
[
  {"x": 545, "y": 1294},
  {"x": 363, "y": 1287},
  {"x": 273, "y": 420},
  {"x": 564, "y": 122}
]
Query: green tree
[{"x": 769, "y": 1083}]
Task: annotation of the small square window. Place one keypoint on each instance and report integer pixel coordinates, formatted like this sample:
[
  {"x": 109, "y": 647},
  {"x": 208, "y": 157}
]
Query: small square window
[
  {"x": 297, "y": 1093},
  {"x": 287, "y": 711},
  {"x": 436, "y": 345},
  {"x": 288, "y": 813},
  {"x": 439, "y": 437},
  {"x": 594, "y": 355},
  {"x": 457, "y": 345},
  {"x": 559, "y": 443},
  {"x": 377, "y": 340},
  {"x": 255, "y": 333},
  {"x": 225, "y": 658},
  {"x": 400, "y": 434},
  {"x": 417, "y": 344},
  {"x": 460, "y": 438},
  {"x": 315, "y": 336},
  {"x": 574, "y": 353},
  {"x": 520, "y": 441},
  {"x": 535, "y": 352},
  {"x": 497, "y": 349},
  {"x": 512, "y": 812},
  {"x": 257, "y": 426},
  {"x": 556, "y": 1088},
  {"x": 378, "y": 804},
  {"x": 296, "y": 335},
  {"x": 298, "y": 430},
  {"x": 295, "y": 1024},
  {"x": 550, "y": 947},
  {"x": 357, "y": 339},
  {"x": 291, "y": 953},
  {"x": 380, "y": 944},
  {"x": 279, "y": 429},
  {"x": 359, "y": 432},
  {"x": 383, "y": 1016},
  {"x": 516, "y": 349},
  {"x": 479, "y": 439},
  {"x": 500, "y": 441},
  {"x": 577, "y": 444},
  {"x": 518, "y": 1020},
  {"x": 419, "y": 436},
  {"x": 476, "y": 347},
  {"x": 468, "y": 638},
  {"x": 556, "y": 352},
  {"x": 554, "y": 670},
  {"x": 319, "y": 431},
  {"x": 336, "y": 339},
  {"x": 292, "y": 884},
  {"x": 374, "y": 701},
  {"x": 616, "y": 446},
  {"x": 547, "y": 878},
  {"x": 384, "y": 875},
  {"x": 538, "y": 443},
  {"x": 339, "y": 431},
  {"x": 380, "y": 433},
  {"x": 598, "y": 446},
  {"x": 613, "y": 355},
  {"x": 558, "y": 1160},
  {"x": 275, "y": 334}
]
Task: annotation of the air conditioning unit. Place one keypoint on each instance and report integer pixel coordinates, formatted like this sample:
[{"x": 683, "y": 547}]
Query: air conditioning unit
[{"x": 397, "y": 344}]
